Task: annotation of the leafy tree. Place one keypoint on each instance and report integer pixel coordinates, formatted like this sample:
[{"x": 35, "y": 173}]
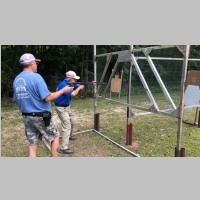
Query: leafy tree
[{"x": 57, "y": 59}]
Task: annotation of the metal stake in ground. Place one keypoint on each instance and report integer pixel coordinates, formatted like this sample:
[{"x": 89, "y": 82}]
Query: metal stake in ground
[
  {"x": 129, "y": 134},
  {"x": 96, "y": 121}
]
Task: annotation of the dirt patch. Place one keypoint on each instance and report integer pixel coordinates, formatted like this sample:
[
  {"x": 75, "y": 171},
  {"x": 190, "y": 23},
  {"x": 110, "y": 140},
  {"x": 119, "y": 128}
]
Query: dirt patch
[
  {"x": 135, "y": 145},
  {"x": 84, "y": 146},
  {"x": 119, "y": 110},
  {"x": 79, "y": 117},
  {"x": 19, "y": 130}
]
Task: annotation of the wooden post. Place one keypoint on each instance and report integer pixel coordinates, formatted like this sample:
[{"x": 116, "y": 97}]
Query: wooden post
[
  {"x": 96, "y": 121},
  {"x": 182, "y": 152},
  {"x": 177, "y": 152}
]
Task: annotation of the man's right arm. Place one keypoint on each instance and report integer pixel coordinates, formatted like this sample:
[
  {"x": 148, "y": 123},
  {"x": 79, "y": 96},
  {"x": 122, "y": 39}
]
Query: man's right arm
[
  {"x": 55, "y": 95},
  {"x": 76, "y": 91}
]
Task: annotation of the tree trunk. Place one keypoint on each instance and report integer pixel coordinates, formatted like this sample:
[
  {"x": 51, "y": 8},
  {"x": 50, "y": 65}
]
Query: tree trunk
[
  {"x": 82, "y": 72},
  {"x": 87, "y": 61}
]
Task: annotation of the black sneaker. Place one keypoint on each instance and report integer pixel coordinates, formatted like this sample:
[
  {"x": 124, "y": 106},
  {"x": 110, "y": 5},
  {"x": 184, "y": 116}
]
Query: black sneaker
[
  {"x": 65, "y": 151},
  {"x": 72, "y": 138}
]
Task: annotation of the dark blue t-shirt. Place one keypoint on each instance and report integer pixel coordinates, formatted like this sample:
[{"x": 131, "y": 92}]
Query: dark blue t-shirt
[{"x": 64, "y": 99}]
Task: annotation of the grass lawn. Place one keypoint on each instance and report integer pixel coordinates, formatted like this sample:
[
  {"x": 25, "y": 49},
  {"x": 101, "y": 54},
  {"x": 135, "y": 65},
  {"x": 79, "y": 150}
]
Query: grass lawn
[{"x": 154, "y": 135}]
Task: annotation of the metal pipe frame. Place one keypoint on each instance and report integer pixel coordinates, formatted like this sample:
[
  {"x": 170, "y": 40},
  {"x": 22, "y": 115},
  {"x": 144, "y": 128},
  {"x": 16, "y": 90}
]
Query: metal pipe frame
[
  {"x": 46, "y": 143},
  {"x": 153, "y": 68},
  {"x": 163, "y": 58},
  {"x": 163, "y": 112},
  {"x": 146, "y": 51},
  {"x": 136, "y": 155},
  {"x": 139, "y": 50},
  {"x": 185, "y": 62},
  {"x": 95, "y": 79},
  {"x": 122, "y": 103},
  {"x": 181, "y": 105},
  {"x": 144, "y": 83},
  {"x": 90, "y": 130},
  {"x": 129, "y": 89}
]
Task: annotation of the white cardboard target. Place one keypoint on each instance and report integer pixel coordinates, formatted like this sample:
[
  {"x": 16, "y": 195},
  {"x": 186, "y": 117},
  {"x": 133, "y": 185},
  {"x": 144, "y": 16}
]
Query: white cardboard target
[{"x": 192, "y": 96}]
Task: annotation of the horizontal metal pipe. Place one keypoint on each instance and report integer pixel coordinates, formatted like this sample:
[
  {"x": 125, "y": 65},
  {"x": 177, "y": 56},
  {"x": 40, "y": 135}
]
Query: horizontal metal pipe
[
  {"x": 192, "y": 106},
  {"x": 125, "y": 104},
  {"x": 140, "y": 49},
  {"x": 140, "y": 114},
  {"x": 46, "y": 143},
  {"x": 163, "y": 112},
  {"x": 161, "y": 58},
  {"x": 137, "y": 155},
  {"x": 83, "y": 131}
]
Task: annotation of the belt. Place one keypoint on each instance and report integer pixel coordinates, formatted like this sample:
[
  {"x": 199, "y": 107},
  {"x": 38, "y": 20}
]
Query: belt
[
  {"x": 34, "y": 114},
  {"x": 61, "y": 105}
]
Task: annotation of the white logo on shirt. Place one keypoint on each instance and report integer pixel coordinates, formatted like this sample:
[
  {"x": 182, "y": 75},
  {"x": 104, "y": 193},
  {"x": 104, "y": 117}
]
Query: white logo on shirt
[{"x": 20, "y": 88}]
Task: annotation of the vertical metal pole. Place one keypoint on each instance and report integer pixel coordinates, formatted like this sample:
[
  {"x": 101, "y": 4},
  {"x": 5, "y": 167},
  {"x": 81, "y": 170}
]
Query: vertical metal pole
[
  {"x": 95, "y": 79},
  {"x": 110, "y": 87},
  {"x": 121, "y": 83},
  {"x": 129, "y": 126},
  {"x": 181, "y": 105},
  {"x": 196, "y": 116},
  {"x": 96, "y": 115},
  {"x": 129, "y": 90}
]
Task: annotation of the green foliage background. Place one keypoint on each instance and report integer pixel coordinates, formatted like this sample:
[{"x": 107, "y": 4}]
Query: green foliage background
[{"x": 57, "y": 59}]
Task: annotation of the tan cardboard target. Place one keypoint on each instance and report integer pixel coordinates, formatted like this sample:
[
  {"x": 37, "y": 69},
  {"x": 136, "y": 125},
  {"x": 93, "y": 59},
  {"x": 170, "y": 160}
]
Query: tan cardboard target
[
  {"x": 193, "y": 78},
  {"x": 116, "y": 84}
]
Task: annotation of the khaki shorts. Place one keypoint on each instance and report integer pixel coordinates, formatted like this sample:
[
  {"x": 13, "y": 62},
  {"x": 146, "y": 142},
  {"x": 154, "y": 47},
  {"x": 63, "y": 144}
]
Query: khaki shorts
[{"x": 35, "y": 129}]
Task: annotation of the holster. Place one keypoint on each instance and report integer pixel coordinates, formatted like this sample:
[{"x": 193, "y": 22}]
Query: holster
[{"x": 47, "y": 118}]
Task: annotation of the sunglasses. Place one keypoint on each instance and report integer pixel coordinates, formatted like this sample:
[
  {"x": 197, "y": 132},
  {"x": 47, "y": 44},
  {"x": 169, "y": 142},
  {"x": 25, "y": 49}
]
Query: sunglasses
[{"x": 37, "y": 63}]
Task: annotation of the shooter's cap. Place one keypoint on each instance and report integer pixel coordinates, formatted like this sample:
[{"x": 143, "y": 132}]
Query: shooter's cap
[{"x": 72, "y": 74}]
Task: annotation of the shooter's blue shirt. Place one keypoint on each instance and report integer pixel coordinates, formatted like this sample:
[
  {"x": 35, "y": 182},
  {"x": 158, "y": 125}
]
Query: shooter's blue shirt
[
  {"x": 30, "y": 90},
  {"x": 65, "y": 98}
]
